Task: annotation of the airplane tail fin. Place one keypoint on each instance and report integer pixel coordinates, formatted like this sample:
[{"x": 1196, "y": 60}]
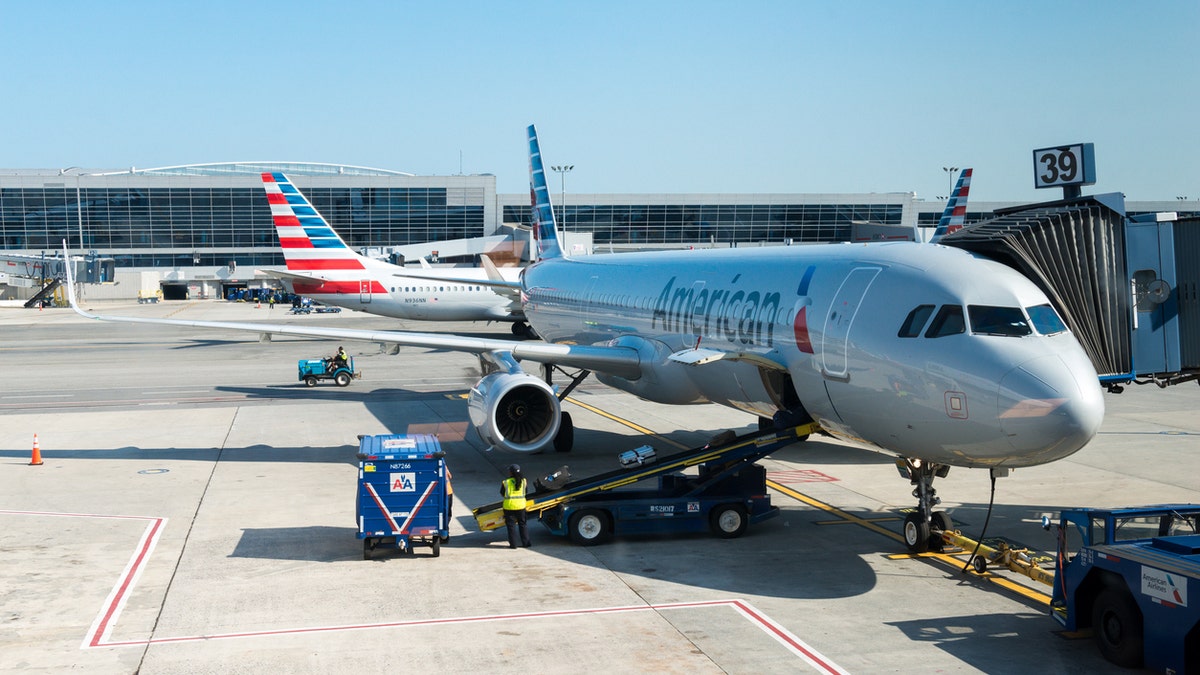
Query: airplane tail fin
[
  {"x": 307, "y": 240},
  {"x": 956, "y": 207},
  {"x": 545, "y": 233}
]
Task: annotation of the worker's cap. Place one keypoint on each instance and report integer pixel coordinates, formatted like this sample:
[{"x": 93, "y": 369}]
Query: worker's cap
[{"x": 514, "y": 469}]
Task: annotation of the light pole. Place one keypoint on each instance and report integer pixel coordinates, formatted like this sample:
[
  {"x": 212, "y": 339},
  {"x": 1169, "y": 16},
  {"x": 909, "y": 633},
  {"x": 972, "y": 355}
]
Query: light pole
[
  {"x": 950, "y": 170},
  {"x": 562, "y": 175}
]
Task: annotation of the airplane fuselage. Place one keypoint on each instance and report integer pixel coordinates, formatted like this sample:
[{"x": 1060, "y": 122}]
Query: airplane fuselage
[
  {"x": 383, "y": 293},
  {"x": 831, "y": 327}
]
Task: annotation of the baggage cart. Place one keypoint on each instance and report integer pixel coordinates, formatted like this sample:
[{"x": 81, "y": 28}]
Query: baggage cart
[{"x": 403, "y": 498}]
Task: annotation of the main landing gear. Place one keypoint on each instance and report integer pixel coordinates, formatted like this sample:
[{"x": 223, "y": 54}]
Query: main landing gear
[
  {"x": 565, "y": 438},
  {"x": 923, "y": 528}
]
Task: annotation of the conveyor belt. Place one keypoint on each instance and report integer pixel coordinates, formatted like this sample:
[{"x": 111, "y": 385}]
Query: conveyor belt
[{"x": 747, "y": 447}]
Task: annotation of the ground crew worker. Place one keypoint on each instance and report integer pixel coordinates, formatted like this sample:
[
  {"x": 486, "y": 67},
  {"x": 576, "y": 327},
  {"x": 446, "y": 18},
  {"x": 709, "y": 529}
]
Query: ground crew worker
[
  {"x": 339, "y": 360},
  {"x": 449, "y": 495},
  {"x": 513, "y": 491}
]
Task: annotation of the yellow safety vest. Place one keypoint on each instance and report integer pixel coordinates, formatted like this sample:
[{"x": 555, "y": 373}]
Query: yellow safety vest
[{"x": 514, "y": 494}]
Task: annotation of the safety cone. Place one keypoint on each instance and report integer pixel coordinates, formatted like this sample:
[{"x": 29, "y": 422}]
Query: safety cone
[
  {"x": 258, "y": 303},
  {"x": 37, "y": 453}
]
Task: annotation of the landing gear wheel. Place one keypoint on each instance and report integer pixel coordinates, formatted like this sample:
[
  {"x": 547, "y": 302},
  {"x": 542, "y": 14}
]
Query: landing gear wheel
[
  {"x": 519, "y": 329},
  {"x": 565, "y": 438},
  {"x": 916, "y": 533},
  {"x": 939, "y": 522},
  {"x": 728, "y": 521},
  {"x": 342, "y": 379},
  {"x": 1117, "y": 625},
  {"x": 310, "y": 381},
  {"x": 589, "y": 527},
  {"x": 436, "y": 546}
]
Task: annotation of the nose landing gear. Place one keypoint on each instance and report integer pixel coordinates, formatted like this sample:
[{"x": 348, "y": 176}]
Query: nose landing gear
[{"x": 923, "y": 528}]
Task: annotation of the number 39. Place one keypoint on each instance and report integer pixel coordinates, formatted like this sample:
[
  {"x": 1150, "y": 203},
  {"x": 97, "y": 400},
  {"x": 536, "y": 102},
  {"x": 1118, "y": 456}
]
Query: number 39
[{"x": 1060, "y": 166}]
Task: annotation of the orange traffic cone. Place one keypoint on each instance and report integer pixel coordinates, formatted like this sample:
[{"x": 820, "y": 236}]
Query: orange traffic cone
[{"x": 37, "y": 453}]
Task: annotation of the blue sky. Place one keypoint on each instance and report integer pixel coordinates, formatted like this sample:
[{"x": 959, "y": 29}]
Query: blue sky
[{"x": 704, "y": 97}]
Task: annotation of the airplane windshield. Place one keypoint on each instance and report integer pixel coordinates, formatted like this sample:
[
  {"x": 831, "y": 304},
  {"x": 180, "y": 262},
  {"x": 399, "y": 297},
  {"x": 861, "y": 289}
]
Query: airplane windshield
[
  {"x": 1007, "y": 321},
  {"x": 1046, "y": 320}
]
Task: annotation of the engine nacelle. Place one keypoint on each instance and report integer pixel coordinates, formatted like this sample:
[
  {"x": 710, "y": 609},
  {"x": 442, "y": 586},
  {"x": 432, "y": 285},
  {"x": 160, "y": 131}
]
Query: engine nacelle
[{"x": 516, "y": 412}]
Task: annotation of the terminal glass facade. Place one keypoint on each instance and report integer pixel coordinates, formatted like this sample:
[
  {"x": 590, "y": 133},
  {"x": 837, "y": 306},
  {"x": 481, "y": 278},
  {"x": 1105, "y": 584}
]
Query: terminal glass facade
[
  {"x": 672, "y": 224},
  {"x": 168, "y": 226}
]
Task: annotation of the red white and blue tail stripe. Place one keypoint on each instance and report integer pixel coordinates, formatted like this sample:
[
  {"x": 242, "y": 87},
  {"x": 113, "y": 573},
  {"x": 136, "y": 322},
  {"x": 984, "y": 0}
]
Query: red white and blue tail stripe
[
  {"x": 544, "y": 230},
  {"x": 956, "y": 207},
  {"x": 308, "y": 242}
]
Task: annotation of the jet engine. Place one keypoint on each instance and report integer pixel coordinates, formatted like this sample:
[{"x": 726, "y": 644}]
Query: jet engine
[{"x": 516, "y": 412}]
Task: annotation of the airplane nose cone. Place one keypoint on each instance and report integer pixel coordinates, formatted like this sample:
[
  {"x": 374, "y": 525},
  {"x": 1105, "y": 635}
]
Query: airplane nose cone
[{"x": 1050, "y": 406}]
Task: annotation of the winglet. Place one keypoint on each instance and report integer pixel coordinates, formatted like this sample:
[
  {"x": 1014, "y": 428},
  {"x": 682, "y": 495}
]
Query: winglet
[
  {"x": 545, "y": 233},
  {"x": 956, "y": 208},
  {"x": 71, "y": 284}
]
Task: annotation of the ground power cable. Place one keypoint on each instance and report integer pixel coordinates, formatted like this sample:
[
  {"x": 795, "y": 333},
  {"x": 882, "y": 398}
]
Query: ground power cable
[{"x": 986, "y": 520}]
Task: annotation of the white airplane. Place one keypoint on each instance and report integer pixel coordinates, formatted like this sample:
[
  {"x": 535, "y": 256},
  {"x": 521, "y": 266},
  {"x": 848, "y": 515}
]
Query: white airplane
[
  {"x": 919, "y": 350},
  {"x": 321, "y": 266}
]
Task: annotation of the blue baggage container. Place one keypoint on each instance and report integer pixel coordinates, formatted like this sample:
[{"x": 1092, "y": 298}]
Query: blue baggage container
[{"x": 403, "y": 498}]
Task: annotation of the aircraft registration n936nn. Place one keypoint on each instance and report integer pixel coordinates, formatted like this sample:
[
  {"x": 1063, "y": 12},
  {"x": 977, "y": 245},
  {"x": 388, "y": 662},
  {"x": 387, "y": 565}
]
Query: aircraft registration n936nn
[
  {"x": 920, "y": 350},
  {"x": 321, "y": 266}
]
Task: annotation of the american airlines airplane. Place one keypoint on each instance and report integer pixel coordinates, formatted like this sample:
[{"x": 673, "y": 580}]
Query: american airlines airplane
[
  {"x": 919, "y": 350},
  {"x": 321, "y": 266}
]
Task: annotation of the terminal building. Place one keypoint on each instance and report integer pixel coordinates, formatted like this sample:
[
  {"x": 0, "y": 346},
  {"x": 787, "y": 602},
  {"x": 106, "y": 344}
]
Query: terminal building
[{"x": 199, "y": 230}]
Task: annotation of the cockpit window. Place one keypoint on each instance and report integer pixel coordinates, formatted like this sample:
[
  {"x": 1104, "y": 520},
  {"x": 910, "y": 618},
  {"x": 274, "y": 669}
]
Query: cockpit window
[
  {"x": 1046, "y": 320},
  {"x": 949, "y": 321},
  {"x": 915, "y": 321},
  {"x": 1009, "y": 321}
]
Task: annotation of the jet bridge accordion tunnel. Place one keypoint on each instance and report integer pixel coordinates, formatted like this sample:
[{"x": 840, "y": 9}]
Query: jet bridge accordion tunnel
[{"x": 1078, "y": 252}]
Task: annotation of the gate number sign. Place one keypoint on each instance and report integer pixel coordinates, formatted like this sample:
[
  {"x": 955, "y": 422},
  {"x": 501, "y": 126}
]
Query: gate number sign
[{"x": 1065, "y": 165}]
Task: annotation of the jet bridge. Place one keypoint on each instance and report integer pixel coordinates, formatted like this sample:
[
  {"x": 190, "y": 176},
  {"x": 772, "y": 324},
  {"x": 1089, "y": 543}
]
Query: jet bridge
[
  {"x": 31, "y": 271},
  {"x": 1080, "y": 252}
]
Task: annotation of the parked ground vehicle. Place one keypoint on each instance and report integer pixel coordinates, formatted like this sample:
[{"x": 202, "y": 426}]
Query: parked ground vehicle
[{"x": 1129, "y": 583}]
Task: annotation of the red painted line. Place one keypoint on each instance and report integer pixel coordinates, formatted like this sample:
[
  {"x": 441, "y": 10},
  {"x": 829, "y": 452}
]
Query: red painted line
[
  {"x": 117, "y": 598},
  {"x": 812, "y": 656},
  {"x": 767, "y": 625},
  {"x": 111, "y": 609}
]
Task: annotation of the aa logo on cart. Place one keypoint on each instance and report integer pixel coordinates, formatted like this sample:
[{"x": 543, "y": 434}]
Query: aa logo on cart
[
  {"x": 404, "y": 482},
  {"x": 1165, "y": 586}
]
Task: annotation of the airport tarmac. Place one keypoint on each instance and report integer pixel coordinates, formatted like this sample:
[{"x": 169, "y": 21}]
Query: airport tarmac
[{"x": 195, "y": 514}]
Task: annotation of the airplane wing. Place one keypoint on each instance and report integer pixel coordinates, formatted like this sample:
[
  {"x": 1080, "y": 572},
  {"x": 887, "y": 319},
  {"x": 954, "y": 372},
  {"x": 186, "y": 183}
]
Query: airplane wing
[{"x": 620, "y": 361}]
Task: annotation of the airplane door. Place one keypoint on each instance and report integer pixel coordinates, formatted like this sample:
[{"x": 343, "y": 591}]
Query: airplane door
[
  {"x": 841, "y": 315},
  {"x": 364, "y": 291}
]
